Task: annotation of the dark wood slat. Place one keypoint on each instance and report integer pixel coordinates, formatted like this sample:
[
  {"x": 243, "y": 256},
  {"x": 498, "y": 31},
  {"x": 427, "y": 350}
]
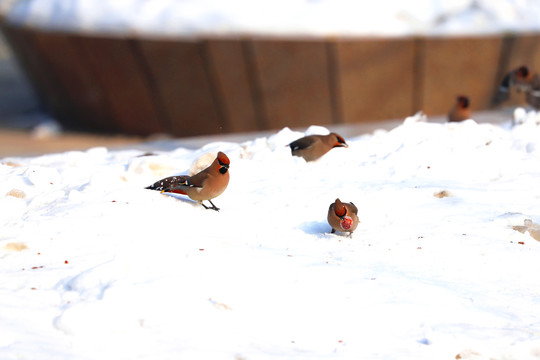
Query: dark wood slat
[
  {"x": 17, "y": 43},
  {"x": 129, "y": 98},
  {"x": 376, "y": 78},
  {"x": 294, "y": 82},
  {"x": 232, "y": 85},
  {"x": 334, "y": 82},
  {"x": 37, "y": 69},
  {"x": 83, "y": 96},
  {"x": 418, "y": 74},
  {"x": 183, "y": 86}
]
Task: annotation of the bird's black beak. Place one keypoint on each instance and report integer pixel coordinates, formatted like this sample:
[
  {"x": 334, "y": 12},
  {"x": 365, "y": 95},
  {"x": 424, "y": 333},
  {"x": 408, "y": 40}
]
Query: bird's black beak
[{"x": 340, "y": 144}]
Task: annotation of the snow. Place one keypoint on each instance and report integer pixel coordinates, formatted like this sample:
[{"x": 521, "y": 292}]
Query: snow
[
  {"x": 443, "y": 265},
  {"x": 279, "y": 17}
]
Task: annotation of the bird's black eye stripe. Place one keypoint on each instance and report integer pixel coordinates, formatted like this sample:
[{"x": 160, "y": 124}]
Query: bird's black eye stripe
[{"x": 223, "y": 164}]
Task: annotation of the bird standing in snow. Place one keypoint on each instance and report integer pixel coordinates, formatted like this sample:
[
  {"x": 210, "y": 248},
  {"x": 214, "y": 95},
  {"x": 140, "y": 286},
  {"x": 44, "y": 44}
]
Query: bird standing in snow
[
  {"x": 524, "y": 80},
  {"x": 205, "y": 185},
  {"x": 460, "y": 111},
  {"x": 343, "y": 217},
  {"x": 313, "y": 147}
]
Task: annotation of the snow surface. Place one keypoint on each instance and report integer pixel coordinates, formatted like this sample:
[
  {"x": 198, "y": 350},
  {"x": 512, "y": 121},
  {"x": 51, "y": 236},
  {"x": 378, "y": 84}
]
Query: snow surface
[
  {"x": 279, "y": 17},
  {"x": 443, "y": 265}
]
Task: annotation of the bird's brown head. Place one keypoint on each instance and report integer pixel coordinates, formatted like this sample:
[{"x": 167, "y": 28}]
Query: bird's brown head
[
  {"x": 223, "y": 162},
  {"x": 339, "y": 141},
  {"x": 339, "y": 209},
  {"x": 463, "y": 101},
  {"x": 522, "y": 72}
]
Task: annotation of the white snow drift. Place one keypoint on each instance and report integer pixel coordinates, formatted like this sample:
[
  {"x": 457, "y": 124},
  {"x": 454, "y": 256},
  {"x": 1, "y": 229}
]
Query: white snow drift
[{"x": 443, "y": 265}]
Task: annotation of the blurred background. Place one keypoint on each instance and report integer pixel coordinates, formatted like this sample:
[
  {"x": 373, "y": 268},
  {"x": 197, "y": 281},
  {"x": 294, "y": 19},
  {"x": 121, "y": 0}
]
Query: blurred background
[{"x": 119, "y": 72}]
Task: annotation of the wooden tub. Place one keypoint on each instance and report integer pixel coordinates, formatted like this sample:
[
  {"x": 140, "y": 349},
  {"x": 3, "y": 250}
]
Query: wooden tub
[{"x": 196, "y": 86}]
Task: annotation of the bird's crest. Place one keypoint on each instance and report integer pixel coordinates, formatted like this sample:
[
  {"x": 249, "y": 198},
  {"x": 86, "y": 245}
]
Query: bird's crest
[
  {"x": 223, "y": 162},
  {"x": 339, "y": 209},
  {"x": 223, "y": 159}
]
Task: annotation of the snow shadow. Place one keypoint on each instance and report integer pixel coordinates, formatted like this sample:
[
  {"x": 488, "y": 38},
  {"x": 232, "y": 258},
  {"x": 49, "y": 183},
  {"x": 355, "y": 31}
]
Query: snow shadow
[
  {"x": 185, "y": 199},
  {"x": 315, "y": 227}
]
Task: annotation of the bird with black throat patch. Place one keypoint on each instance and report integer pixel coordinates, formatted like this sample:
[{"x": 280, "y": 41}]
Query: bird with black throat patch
[
  {"x": 524, "y": 80},
  {"x": 312, "y": 147},
  {"x": 461, "y": 109},
  {"x": 343, "y": 217},
  {"x": 205, "y": 185}
]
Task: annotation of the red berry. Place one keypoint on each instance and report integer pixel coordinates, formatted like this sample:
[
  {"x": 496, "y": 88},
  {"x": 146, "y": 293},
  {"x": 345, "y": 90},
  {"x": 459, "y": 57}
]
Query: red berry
[{"x": 346, "y": 223}]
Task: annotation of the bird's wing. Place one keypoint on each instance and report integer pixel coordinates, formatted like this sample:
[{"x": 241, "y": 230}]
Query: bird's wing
[
  {"x": 353, "y": 207},
  {"x": 303, "y": 143},
  {"x": 197, "y": 180},
  {"x": 169, "y": 183}
]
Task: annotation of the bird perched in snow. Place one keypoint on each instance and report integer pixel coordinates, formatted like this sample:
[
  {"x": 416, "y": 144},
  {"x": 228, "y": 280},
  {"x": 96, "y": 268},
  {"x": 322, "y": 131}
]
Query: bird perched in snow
[
  {"x": 343, "y": 217},
  {"x": 460, "y": 111},
  {"x": 524, "y": 80},
  {"x": 313, "y": 147},
  {"x": 205, "y": 185}
]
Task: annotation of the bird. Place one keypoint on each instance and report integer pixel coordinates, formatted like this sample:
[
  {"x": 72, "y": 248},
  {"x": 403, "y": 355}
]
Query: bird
[
  {"x": 312, "y": 147},
  {"x": 525, "y": 81},
  {"x": 205, "y": 185},
  {"x": 343, "y": 217},
  {"x": 460, "y": 111}
]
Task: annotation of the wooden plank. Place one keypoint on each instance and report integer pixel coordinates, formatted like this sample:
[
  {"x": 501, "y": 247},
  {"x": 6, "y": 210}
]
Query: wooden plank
[
  {"x": 525, "y": 51},
  {"x": 15, "y": 40},
  {"x": 376, "y": 79},
  {"x": 293, "y": 82},
  {"x": 83, "y": 95},
  {"x": 459, "y": 66},
  {"x": 232, "y": 83},
  {"x": 127, "y": 89},
  {"x": 36, "y": 68},
  {"x": 178, "y": 70},
  {"x": 534, "y": 45}
]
